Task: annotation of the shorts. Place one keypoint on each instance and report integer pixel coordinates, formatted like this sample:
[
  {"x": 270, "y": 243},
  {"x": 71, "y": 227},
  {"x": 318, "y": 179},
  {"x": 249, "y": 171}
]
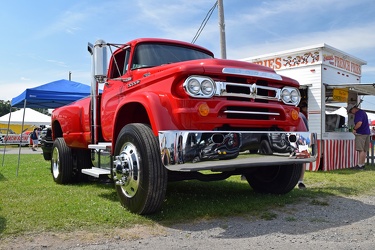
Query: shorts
[
  {"x": 362, "y": 142},
  {"x": 35, "y": 141}
]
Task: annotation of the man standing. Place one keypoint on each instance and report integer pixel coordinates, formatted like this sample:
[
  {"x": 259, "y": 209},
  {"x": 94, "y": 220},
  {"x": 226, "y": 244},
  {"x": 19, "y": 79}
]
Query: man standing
[
  {"x": 361, "y": 130},
  {"x": 34, "y": 138}
]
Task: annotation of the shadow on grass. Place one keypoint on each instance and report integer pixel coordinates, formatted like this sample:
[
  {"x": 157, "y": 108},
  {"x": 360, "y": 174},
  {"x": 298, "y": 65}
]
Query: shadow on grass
[
  {"x": 112, "y": 196},
  {"x": 105, "y": 184},
  {"x": 340, "y": 190},
  {"x": 3, "y": 224},
  {"x": 2, "y": 178},
  {"x": 194, "y": 200},
  {"x": 203, "y": 202},
  {"x": 190, "y": 200},
  {"x": 304, "y": 217}
]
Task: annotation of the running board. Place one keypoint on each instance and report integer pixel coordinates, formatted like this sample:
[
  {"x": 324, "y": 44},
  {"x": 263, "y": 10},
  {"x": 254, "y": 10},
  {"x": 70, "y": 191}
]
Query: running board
[
  {"x": 101, "y": 146},
  {"x": 96, "y": 172}
]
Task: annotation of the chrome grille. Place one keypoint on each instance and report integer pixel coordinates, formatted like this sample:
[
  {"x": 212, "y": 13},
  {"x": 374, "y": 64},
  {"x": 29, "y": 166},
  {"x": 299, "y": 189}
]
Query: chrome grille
[{"x": 248, "y": 91}]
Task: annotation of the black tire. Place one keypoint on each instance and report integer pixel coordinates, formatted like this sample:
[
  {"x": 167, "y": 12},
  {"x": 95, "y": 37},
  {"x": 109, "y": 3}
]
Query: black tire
[
  {"x": 61, "y": 162},
  {"x": 82, "y": 160},
  {"x": 275, "y": 179},
  {"x": 47, "y": 156},
  {"x": 144, "y": 178}
]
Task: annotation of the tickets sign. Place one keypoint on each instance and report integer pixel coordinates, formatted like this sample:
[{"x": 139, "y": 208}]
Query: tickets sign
[{"x": 340, "y": 95}]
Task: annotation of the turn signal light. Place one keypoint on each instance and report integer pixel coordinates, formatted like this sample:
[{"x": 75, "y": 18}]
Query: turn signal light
[
  {"x": 203, "y": 109},
  {"x": 295, "y": 114}
]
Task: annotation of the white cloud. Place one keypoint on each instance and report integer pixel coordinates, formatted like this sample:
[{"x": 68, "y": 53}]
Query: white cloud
[
  {"x": 67, "y": 23},
  {"x": 351, "y": 40},
  {"x": 14, "y": 89},
  {"x": 58, "y": 63}
]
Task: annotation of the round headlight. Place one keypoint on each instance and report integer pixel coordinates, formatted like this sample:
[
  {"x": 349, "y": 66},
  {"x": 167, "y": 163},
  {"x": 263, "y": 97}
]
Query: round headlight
[
  {"x": 294, "y": 96},
  {"x": 285, "y": 94},
  {"x": 207, "y": 87},
  {"x": 194, "y": 86}
]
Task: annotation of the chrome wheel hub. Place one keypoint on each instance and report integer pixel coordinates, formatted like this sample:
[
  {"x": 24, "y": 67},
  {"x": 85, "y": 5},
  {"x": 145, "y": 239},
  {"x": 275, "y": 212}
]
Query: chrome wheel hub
[
  {"x": 126, "y": 169},
  {"x": 55, "y": 162}
]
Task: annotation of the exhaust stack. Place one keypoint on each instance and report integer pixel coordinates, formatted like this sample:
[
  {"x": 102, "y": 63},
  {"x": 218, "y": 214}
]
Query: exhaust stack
[{"x": 98, "y": 75}]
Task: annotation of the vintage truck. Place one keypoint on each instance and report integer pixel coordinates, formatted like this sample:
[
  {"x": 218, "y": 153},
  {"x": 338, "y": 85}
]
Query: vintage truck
[{"x": 169, "y": 111}]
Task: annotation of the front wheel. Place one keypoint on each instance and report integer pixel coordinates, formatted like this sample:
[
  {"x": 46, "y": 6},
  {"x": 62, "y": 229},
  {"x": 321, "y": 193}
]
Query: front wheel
[
  {"x": 139, "y": 175},
  {"x": 279, "y": 179}
]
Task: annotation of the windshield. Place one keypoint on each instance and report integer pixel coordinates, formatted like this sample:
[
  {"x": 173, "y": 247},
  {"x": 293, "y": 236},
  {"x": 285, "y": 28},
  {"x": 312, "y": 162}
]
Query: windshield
[{"x": 151, "y": 55}]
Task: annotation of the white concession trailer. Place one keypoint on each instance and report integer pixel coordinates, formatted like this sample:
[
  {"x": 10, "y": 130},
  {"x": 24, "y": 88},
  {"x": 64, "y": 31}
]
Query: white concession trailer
[{"x": 330, "y": 79}]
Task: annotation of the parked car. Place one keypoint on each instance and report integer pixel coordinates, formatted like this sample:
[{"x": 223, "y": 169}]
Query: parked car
[{"x": 46, "y": 142}]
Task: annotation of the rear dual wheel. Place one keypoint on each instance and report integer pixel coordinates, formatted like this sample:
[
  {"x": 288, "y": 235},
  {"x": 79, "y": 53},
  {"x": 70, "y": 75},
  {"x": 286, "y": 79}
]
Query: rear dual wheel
[
  {"x": 61, "y": 162},
  {"x": 67, "y": 163}
]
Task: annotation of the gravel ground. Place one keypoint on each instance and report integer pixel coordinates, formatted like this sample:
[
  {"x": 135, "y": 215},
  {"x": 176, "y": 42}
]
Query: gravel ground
[{"x": 328, "y": 223}]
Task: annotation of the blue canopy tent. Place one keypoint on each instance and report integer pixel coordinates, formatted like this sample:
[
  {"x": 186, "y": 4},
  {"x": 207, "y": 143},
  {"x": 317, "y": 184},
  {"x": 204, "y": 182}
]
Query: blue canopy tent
[{"x": 50, "y": 95}]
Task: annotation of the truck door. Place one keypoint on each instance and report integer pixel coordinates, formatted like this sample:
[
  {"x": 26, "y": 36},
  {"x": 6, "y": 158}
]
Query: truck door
[{"x": 114, "y": 90}]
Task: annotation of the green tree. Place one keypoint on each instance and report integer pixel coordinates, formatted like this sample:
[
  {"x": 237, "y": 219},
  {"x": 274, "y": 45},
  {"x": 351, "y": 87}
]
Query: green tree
[{"x": 5, "y": 107}]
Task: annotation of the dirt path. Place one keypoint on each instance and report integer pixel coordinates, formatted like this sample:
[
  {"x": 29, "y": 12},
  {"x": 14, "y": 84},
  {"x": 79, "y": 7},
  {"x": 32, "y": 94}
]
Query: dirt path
[{"x": 330, "y": 223}]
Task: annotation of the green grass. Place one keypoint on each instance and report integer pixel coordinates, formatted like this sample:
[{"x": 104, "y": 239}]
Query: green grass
[{"x": 32, "y": 202}]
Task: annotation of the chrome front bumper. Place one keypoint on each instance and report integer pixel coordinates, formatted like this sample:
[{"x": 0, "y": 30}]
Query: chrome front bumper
[{"x": 228, "y": 150}]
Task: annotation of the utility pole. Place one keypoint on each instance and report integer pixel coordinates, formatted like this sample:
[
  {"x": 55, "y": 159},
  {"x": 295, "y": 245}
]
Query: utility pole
[{"x": 222, "y": 29}]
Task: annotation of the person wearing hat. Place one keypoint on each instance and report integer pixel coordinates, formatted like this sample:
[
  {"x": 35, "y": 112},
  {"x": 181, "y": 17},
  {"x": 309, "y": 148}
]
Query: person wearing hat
[
  {"x": 303, "y": 108},
  {"x": 361, "y": 130}
]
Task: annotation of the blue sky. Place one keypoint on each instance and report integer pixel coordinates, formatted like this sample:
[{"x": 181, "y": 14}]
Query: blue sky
[{"x": 43, "y": 40}]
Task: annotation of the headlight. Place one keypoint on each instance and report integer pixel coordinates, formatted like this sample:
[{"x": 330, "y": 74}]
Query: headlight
[
  {"x": 194, "y": 86},
  {"x": 290, "y": 96},
  {"x": 200, "y": 86},
  {"x": 285, "y": 95},
  {"x": 207, "y": 87},
  {"x": 294, "y": 96}
]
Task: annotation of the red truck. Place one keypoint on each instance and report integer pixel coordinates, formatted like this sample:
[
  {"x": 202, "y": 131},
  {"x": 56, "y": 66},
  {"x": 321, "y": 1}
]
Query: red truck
[{"x": 170, "y": 111}]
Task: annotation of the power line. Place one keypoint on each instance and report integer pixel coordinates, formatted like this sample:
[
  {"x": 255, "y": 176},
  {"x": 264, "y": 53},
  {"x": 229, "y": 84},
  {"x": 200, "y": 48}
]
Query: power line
[{"x": 204, "y": 22}]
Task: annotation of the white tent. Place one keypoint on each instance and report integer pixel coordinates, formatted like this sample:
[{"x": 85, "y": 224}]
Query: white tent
[
  {"x": 371, "y": 116},
  {"x": 32, "y": 117},
  {"x": 341, "y": 111}
]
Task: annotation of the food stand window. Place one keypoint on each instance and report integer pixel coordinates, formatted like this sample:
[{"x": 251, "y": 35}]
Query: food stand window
[{"x": 337, "y": 139}]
